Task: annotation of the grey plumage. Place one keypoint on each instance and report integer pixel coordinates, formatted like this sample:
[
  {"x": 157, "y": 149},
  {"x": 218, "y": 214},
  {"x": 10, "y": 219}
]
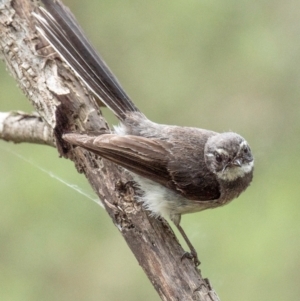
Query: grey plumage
[{"x": 181, "y": 169}]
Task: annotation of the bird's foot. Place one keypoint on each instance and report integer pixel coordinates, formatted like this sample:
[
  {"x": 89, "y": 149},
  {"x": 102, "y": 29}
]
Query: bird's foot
[{"x": 193, "y": 256}]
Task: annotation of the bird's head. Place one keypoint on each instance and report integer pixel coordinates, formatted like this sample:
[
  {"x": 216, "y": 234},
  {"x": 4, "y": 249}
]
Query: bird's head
[{"x": 228, "y": 156}]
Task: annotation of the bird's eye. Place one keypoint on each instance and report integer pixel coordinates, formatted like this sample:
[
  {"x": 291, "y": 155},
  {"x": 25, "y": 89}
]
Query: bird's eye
[
  {"x": 246, "y": 150},
  {"x": 219, "y": 158}
]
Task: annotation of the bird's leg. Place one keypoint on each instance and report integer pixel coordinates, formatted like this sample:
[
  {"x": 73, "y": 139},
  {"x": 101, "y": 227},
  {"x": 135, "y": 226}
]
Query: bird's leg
[{"x": 193, "y": 255}]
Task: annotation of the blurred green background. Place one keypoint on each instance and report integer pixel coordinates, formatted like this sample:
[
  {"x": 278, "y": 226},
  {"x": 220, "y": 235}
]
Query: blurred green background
[{"x": 221, "y": 65}]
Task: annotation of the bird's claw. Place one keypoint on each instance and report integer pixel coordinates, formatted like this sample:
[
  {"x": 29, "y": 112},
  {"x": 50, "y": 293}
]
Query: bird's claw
[{"x": 193, "y": 256}]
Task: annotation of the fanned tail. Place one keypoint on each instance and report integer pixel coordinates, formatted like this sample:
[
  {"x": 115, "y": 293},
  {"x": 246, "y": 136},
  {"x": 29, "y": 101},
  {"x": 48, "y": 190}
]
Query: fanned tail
[{"x": 59, "y": 27}]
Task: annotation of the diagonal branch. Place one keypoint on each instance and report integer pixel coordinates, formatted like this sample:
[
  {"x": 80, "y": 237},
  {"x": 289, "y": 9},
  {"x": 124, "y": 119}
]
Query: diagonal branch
[{"x": 64, "y": 105}]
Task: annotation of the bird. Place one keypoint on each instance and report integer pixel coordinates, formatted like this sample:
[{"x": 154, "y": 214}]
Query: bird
[{"x": 179, "y": 169}]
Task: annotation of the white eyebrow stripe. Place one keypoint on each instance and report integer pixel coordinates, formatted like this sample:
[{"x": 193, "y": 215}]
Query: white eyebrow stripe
[
  {"x": 222, "y": 151},
  {"x": 243, "y": 143}
]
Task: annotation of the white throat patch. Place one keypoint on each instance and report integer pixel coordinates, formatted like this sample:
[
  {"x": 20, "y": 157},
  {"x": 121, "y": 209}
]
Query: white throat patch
[{"x": 234, "y": 172}]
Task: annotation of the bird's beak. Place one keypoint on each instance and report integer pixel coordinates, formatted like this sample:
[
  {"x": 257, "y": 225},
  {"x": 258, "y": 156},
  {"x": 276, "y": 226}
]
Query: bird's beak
[{"x": 237, "y": 162}]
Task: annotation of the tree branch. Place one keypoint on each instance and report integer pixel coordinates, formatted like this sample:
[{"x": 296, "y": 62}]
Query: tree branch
[
  {"x": 22, "y": 127},
  {"x": 64, "y": 105}
]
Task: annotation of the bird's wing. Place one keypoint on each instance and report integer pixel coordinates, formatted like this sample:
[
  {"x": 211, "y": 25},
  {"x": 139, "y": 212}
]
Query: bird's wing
[
  {"x": 145, "y": 157},
  {"x": 153, "y": 159}
]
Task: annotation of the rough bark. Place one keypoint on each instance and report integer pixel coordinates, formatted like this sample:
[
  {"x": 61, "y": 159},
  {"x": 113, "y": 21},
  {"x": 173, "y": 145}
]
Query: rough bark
[
  {"x": 22, "y": 127},
  {"x": 63, "y": 105}
]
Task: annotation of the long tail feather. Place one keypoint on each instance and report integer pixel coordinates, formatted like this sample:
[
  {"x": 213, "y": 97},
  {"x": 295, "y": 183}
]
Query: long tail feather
[{"x": 59, "y": 27}]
